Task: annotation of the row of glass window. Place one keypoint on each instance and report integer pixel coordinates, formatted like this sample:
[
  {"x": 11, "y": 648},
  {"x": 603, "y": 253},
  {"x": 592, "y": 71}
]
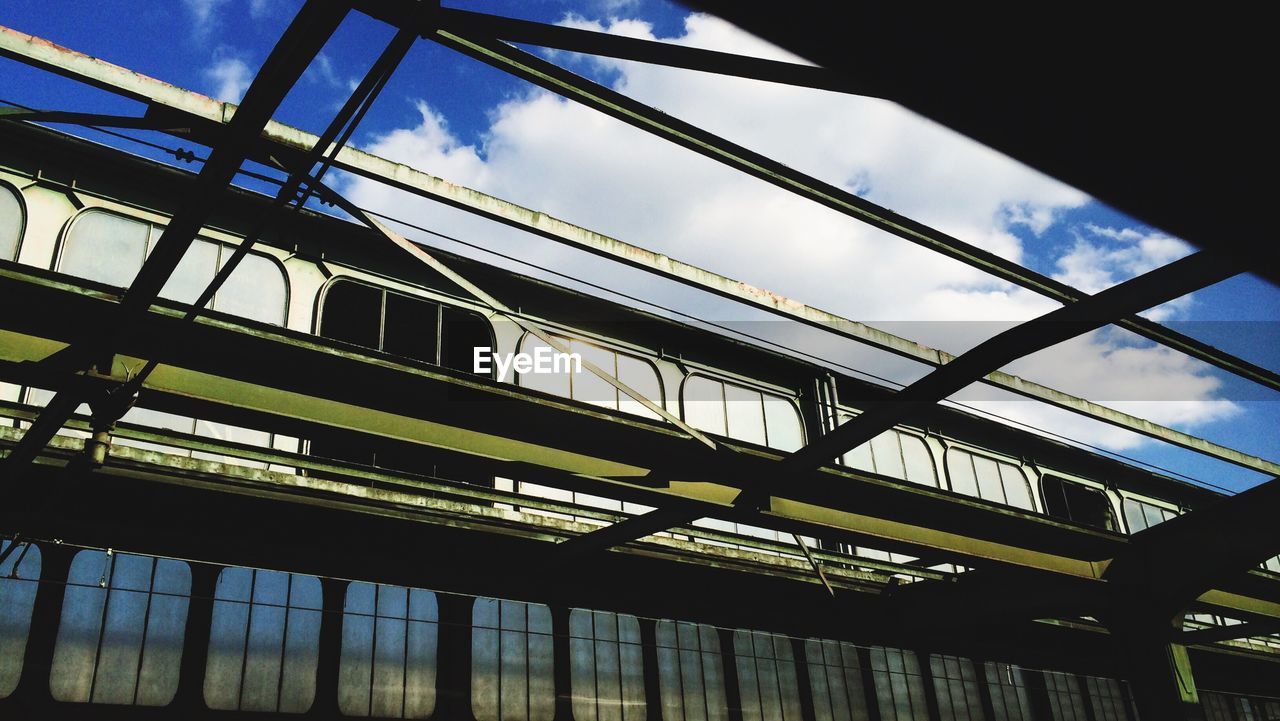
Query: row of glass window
[{"x": 120, "y": 641}]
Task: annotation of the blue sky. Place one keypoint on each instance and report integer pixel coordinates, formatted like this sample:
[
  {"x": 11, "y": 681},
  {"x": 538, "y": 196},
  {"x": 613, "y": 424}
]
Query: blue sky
[{"x": 463, "y": 121}]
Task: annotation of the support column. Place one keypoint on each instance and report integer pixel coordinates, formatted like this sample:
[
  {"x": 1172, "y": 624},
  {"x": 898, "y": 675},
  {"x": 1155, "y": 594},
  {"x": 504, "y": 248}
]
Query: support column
[{"x": 1159, "y": 671}]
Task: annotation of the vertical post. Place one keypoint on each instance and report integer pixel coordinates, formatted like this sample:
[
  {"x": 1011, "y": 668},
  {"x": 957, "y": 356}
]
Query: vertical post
[
  {"x": 195, "y": 639},
  {"x": 1159, "y": 671},
  {"x": 33, "y": 688},
  {"x": 333, "y": 601},
  {"x": 454, "y": 669}
]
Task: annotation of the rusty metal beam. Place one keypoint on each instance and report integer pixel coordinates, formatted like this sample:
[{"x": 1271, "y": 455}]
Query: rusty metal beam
[
  {"x": 300, "y": 43},
  {"x": 214, "y": 114}
]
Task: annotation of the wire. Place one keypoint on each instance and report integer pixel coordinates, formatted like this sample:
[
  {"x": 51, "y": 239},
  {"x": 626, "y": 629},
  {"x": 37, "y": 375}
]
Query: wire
[{"x": 187, "y": 156}]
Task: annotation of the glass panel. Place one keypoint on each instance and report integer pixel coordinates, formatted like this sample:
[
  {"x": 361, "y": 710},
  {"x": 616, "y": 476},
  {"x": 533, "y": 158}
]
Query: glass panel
[
  {"x": 554, "y": 383},
  {"x": 887, "y": 452},
  {"x": 409, "y": 328},
  {"x": 11, "y": 221},
  {"x": 589, "y": 387},
  {"x": 193, "y": 274},
  {"x": 690, "y": 672},
  {"x": 1154, "y": 515},
  {"x": 988, "y": 473},
  {"x": 1008, "y": 692},
  {"x": 388, "y": 662},
  {"x": 918, "y": 461},
  {"x": 511, "y": 661},
  {"x": 1066, "y": 703},
  {"x": 263, "y": 641},
  {"x": 1134, "y": 515},
  {"x": 955, "y": 685},
  {"x": 105, "y": 247},
  {"x": 960, "y": 472},
  {"x": 606, "y": 666},
  {"x": 835, "y": 681},
  {"x": 255, "y": 290},
  {"x": 120, "y": 636},
  {"x": 745, "y": 409},
  {"x": 462, "y": 331},
  {"x": 899, "y": 685},
  {"x": 1016, "y": 491},
  {"x": 19, "y": 579},
  {"x": 352, "y": 312},
  {"x": 703, "y": 402},
  {"x": 1107, "y": 699},
  {"x": 766, "y": 676},
  {"x": 782, "y": 421},
  {"x": 640, "y": 376}
]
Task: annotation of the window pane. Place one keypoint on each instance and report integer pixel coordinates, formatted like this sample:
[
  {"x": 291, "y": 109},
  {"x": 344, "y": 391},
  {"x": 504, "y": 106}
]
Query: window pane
[
  {"x": 989, "y": 485},
  {"x": 263, "y": 641},
  {"x": 120, "y": 636},
  {"x": 782, "y": 422},
  {"x": 1008, "y": 692},
  {"x": 919, "y": 464},
  {"x": 899, "y": 685},
  {"x": 511, "y": 661},
  {"x": 640, "y": 376},
  {"x": 19, "y": 579},
  {"x": 955, "y": 685},
  {"x": 388, "y": 666},
  {"x": 352, "y": 312},
  {"x": 554, "y": 383},
  {"x": 462, "y": 331},
  {"x": 409, "y": 328},
  {"x": 1016, "y": 491},
  {"x": 255, "y": 290},
  {"x": 11, "y": 222},
  {"x": 606, "y": 666},
  {"x": 766, "y": 676},
  {"x": 589, "y": 387},
  {"x": 703, "y": 401},
  {"x": 745, "y": 409},
  {"x": 1153, "y": 514},
  {"x": 1134, "y": 515},
  {"x": 888, "y": 455},
  {"x": 1066, "y": 702},
  {"x": 193, "y": 274},
  {"x": 960, "y": 472},
  {"x": 690, "y": 672},
  {"x": 105, "y": 247},
  {"x": 835, "y": 681},
  {"x": 1107, "y": 699}
]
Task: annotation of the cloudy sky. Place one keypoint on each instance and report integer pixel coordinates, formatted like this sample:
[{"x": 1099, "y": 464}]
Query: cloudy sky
[{"x": 455, "y": 118}]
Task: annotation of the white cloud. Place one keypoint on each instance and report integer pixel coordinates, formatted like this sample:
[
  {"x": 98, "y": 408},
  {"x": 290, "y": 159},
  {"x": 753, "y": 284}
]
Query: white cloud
[
  {"x": 230, "y": 77},
  {"x": 559, "y": 157},
  {"x": 1104, "y": 256}
]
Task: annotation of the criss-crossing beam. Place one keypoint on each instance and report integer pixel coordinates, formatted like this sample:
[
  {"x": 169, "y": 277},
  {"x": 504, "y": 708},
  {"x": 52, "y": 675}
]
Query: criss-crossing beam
[
  {"x": 204, "y": 119},
  {"x": 1136, "y": 294},
  {"x": 301, "y": 42},
  {"x": 498, "y": 54}
]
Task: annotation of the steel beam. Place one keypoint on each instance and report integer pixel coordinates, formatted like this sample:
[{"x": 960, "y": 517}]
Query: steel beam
[
  {"x": 1215, "y": 634},
  {"x": 213, "y": 114},
  {"x": 299, "y": 44},
  {"x": 574, "y": 87},
  {"x": 645, "y": 51}
]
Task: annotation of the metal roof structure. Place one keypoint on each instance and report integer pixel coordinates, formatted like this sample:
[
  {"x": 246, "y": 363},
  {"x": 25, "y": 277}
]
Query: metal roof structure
[{"x": 1024, "y": 566}]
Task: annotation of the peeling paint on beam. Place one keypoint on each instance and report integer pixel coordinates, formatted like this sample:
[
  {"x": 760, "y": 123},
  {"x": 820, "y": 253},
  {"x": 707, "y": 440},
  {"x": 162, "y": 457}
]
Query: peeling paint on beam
[{"x": 41, "y": 53}]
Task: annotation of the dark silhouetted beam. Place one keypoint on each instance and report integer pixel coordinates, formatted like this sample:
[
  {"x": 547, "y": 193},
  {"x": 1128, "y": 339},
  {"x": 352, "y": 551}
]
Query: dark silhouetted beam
[
  {"x": 300, "y": 43},
  {"x": 1227, "y": 633},
  {"x": 558, "y": 80},
  {"x": 646, "y": 51}
]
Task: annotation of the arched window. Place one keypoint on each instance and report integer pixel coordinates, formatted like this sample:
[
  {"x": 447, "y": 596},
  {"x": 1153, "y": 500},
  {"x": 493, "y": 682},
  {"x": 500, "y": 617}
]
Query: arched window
[
  {"x": 736, "y": 411},
  {"x": 583, "y": 385},
  {"x": 19, "y": 579},
  {"x": 264, "y": 641},
  {"x": 12, "y": 221},
  {"x": 988, "y": 478},
  {"x": 767, "y": 682},
  {"x": 111, "y": 248},
  {"x": 388, "y": 667},
  {"x": 955, "y": 686},
  {"x": 512, "y": 661},
  {"x": 606, "y": 666},
  {"x": 835, "y": 679},
  {"x": 120, "y": 637}
]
